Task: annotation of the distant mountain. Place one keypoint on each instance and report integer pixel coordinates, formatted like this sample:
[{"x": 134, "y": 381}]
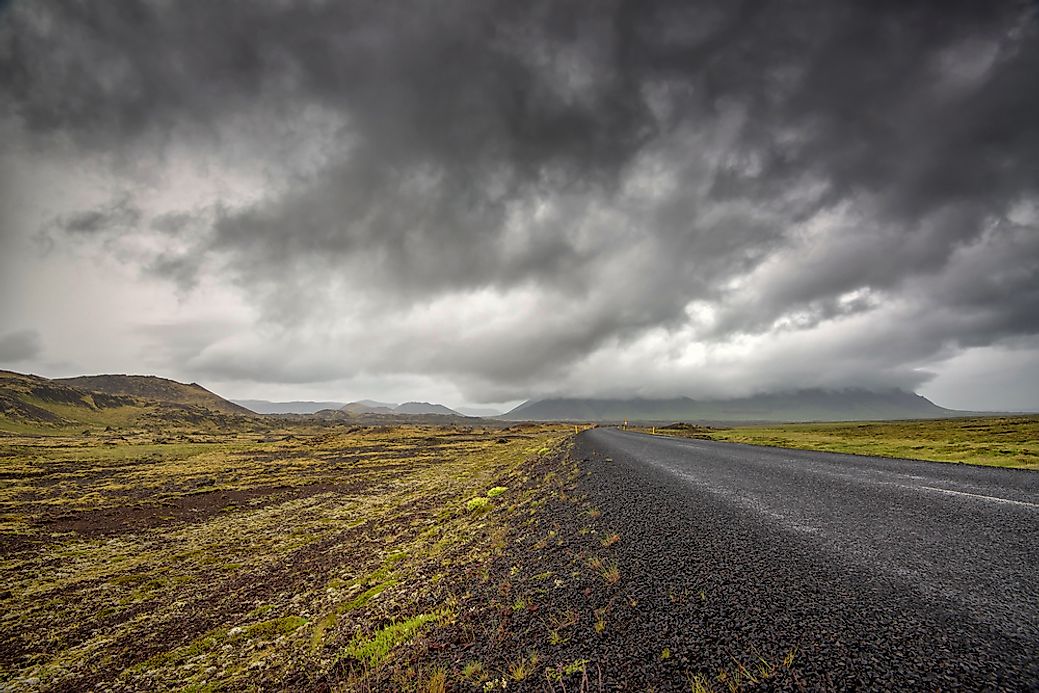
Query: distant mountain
[
  {"x": 802, "y": 405},
  {"x": 425, "y": 408},
  {"x": 367, "y": 407},
  {"x": 376, "y": 404},
  {"x": 262, "y": 406},
  {"x": 153, "y": 388}
]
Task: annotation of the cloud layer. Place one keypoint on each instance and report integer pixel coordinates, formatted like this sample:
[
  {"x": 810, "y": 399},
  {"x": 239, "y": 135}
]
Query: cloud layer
[{"x": 550, "y": 198}]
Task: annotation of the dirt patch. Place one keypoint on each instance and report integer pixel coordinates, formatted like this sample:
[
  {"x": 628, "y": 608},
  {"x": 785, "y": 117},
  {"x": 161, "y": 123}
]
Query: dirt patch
[{"x": 196, "y": 507}]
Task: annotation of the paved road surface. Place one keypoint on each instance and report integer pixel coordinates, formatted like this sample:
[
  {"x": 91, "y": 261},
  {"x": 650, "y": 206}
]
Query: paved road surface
[{"x": 882, "y": 573}]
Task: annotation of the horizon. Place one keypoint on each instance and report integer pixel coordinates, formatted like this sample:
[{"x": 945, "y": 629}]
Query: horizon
[
  {"x": 505, "y": 409},
  {"x": 483, "y": 205}
]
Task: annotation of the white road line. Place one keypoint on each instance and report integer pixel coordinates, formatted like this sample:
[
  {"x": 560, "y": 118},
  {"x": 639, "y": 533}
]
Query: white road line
[{"x": 994, "y": 499}]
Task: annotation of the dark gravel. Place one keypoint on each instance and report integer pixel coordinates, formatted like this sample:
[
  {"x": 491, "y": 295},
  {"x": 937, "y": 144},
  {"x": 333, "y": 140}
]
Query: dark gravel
[{"x": 879, "y": 574}]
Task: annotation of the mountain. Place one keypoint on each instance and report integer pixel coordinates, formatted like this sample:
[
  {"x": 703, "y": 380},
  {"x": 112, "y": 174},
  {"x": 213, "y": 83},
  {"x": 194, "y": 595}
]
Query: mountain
[
  {"x": 262, "y": 406},
  {"x": 367, "y": 406},
  {"x": 156, "y": 389},
  {"x": 375, "y": 404},
  {"x": 425, "y": 408},
  {"x": 30, "y": 403},
  {"x": 802, "y": 405}
]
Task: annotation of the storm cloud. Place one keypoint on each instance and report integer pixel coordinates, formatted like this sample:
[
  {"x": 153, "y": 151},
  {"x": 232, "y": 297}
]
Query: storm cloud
[{"x": 521, "y": 199}]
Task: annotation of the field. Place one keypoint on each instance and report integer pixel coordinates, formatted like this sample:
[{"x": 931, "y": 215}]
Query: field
[
  {"x": 337, "y": 558},
  {"x": 158, "y": 546},
  {"x": 993, "y": 441}
]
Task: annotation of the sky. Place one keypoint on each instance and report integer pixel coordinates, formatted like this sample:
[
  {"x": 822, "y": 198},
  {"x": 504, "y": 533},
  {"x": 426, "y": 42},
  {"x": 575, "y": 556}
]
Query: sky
[{"x": 482, "y": 202}]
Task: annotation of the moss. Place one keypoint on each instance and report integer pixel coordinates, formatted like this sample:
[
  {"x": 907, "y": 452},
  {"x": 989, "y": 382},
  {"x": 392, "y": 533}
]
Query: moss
[
  {"x": 478, "y": 503},
  {"x": 294, "y": 501},
  {"x": 202, "y": 645},
  {"x": 496, "y": 491},
  {"x": 364, "y": 597},
  {"x": 261, "y": 610},
  {"x": 268, "y": 630}
]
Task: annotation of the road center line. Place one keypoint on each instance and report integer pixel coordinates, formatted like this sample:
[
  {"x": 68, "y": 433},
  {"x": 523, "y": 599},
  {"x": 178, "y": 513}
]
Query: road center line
[{"x": 994, "y": 499}]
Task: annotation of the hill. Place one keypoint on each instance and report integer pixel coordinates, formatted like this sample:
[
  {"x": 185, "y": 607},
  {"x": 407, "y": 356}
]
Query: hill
[
  {"x": 424, "y": 408},
  {"x": 30, "y": 403},
  {"x": 367, "y": 406},
  {"x": 150, "y": 387},
  {"x": 29, "y": 400},
  {"x": 802, "y": 405},
  {"x": 262, "y": 406}
]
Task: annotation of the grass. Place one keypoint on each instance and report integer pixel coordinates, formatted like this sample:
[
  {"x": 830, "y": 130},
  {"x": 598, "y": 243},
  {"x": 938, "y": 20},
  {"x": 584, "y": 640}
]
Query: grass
[
  {"x": 523, "y": 668},
  {"x": 372, "y": 651},
  {"x": 741, "y": 676},
  {"x": 1005, "y": 441}
]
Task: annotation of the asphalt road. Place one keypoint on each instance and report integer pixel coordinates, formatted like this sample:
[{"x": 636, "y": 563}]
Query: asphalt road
[{"x": 880, "y": 573}]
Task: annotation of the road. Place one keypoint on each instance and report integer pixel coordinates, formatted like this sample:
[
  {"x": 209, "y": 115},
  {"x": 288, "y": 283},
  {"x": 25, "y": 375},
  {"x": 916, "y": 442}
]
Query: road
[{"x": 882, "y": 573}]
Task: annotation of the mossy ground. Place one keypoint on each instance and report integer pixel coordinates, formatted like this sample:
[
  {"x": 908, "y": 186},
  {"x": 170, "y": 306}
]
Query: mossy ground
[
  {"x": 998, "y": 441},
  {"x": 300, "y": 558}
]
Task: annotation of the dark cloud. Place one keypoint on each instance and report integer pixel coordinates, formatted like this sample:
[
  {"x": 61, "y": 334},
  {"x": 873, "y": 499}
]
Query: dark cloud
[
  {"x": 611, "y": 165},
  {"x": 19, "y": 346},
  {"x": 118, "y": 215}
]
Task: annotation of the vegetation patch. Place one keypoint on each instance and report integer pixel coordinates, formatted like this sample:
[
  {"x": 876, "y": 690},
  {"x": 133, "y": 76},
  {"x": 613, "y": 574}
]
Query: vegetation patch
[
  {"x": 268, "y": 630},
  {"x": 373, "y": 650},
  {"x": 997, "y": 441},
  {"x": 186, "y": 557},
  {"x": 478, "y": 503}
]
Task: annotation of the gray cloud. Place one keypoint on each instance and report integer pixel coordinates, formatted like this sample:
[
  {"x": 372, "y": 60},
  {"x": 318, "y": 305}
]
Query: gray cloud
[
  {"x": 19, "y": 346},
  {"x": 709, "y": 171},
  {"x": 118, "y": 215}
]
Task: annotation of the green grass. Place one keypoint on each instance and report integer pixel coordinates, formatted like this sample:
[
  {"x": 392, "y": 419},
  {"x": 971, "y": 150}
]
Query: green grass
[
  {"x": 1010, "y": 441},
  {"x": 373, "y": 650},
  {"x": 364, "y": 597}
]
